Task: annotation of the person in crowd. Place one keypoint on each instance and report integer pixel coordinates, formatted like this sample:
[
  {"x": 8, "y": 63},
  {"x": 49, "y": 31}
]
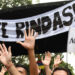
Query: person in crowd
[
  {"x": 21, "y": 69},
  {"x": 61, "y": 71},
  {"x": 46, "y": 61},
  {"x": 56, "y": 69},
  {"x": 29, "y": 44},
  {"x": 5, "y": 56}
]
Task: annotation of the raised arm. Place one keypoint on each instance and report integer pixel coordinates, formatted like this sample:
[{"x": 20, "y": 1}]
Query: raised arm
[
  {"x": 5, "y": 58},
  {"x": 29, "y": 44},
  {"x": 46, "y": 61}
]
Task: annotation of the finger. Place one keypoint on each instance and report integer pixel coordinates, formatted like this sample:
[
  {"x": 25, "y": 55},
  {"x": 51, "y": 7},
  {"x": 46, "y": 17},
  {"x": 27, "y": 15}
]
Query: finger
[
  {"x": 49, "y": 54},
  {"x": 45, "y": 53},
  {"x": 9, "y": 49},
  {"x": 25, "y": 34},
  {"x": 19, "y": 42},
  {"x": 42, "y": 59},
  {"x": 2, "y": 68},
  {"x": 54, "y": 59},
  {"x": 29, "y": 32},
  {"x": 0, "y": 53},
  {"x": 4, "y": 47},
  {"x": 58, "y": 56},
  {"x": 36, "y": 34},
  {"x": 32, "y": 32},
  {"x": 1, "y": 48}
]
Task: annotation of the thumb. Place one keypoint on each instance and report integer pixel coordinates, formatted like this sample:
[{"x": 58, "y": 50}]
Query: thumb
[{"x": 19, "y": 42}]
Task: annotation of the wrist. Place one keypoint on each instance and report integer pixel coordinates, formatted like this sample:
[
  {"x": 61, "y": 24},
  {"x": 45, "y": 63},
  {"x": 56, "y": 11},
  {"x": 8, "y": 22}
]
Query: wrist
[
  {"x": 55, "y": 65},
  {"x": 46, "y": 66},
  {"x": 31, "y": 51},
  {"x": 9, "y": 65}
]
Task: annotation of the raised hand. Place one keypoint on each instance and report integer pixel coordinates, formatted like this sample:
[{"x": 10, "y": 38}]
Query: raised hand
[
  {"x": 5, "y": 56},
  {"x": 46, "y": 61},
  {"x": 57, "y": 61},
  {"x": 1, "y": 73},
  {"x": 3, "y": 70},
  {"x": 29, "y": 42}
]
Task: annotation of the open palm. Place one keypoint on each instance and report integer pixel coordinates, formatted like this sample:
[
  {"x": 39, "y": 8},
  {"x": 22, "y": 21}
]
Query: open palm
[
  {"x": 29, "y": 40},
  {"x": 47, "y": 59},
  {"x": 5, "y": 56},
  {"x": 57, "y": 60}
]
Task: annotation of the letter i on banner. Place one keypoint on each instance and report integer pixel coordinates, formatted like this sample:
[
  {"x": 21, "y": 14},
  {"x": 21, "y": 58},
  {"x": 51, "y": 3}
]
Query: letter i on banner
[{"x": 71, "y": 40}]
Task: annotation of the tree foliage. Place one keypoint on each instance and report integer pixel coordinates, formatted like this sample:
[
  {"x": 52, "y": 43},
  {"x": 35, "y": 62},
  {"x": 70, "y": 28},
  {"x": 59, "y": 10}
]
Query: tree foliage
[{"x": 13, "y": 3}]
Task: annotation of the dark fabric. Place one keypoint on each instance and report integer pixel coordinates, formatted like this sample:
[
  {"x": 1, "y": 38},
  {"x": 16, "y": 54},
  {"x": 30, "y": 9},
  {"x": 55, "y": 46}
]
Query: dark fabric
[{"x": 29, "y": 10}]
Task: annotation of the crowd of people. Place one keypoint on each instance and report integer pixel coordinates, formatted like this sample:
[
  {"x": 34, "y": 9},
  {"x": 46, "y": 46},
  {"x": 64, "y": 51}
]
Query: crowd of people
[{"x": 29, "y": 44}]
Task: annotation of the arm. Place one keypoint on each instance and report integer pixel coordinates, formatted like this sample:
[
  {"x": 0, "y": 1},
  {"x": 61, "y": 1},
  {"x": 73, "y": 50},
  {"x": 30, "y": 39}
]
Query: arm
[
  {"x": 33, "y": 66},
  {"x": 46, "y": 63},
  {"x": 29, "y": 44},
  {"x": 5, "y": 58}
]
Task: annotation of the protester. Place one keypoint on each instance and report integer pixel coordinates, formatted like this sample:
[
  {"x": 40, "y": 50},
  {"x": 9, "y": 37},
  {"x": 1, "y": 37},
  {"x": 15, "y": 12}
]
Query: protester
[
  {"x": 46, "y": 61},
  {"x": 61, "y": 71},
  {"x": 29, "y": 44},
  {"x": 22, "y": 69},
  {"x": 5, "y": 56}
]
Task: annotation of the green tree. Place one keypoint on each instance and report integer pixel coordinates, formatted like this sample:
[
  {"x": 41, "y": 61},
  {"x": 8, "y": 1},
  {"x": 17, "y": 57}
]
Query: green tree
[{"x": 13, "y": 3}]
